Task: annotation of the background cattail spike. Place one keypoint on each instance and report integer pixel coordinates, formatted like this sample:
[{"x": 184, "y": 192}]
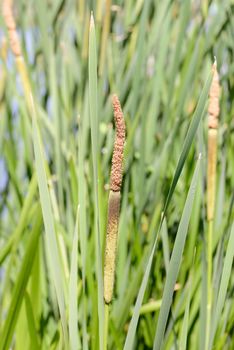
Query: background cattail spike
[
  {"x": 7, "y": 12},
  {"x": 213, "y": 111},
  {"x": 213, "y": 108}
]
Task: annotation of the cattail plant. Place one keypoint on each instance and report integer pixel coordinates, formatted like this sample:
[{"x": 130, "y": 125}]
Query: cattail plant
[
  {"x": 114, "y": 201},
  {"x": 213, "y": 114}
]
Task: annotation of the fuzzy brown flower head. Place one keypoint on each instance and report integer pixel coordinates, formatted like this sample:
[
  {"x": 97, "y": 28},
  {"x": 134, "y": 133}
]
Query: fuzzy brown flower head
[
  {"x": 117, "y": 159},
  {"x": 214, "y": 94},
  {"x": 11, "y": 26}
]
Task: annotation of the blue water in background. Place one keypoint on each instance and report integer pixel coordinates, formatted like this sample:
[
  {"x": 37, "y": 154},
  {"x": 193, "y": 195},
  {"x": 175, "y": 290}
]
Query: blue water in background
[{"x": 4, "y": 175}]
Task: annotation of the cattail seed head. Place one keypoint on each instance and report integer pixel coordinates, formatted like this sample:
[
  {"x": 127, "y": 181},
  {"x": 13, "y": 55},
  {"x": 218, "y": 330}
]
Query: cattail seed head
[
  {"x": 114, "y": 202},
  {"x": 117, "y": 159},
  {"x": 213, "y": 111},
  {"x": 11, "y": 26},
  {"x": 214, "y": 94}
]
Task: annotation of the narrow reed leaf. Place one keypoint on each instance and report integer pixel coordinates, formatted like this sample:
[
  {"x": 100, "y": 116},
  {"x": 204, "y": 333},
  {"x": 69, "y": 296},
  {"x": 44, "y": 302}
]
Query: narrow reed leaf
[
  {"x": 22, "y": 220},
  {"x": 82, "y": 199},
  {"x": 93, "y": 108},
  {"x": 34, "y": 341},
  {"x": 184, "y": 18},
  {"x": 50, "y": 234},
  {"x": 175, "y": 260},
  {"x": 185, "y": 323},
  {"x": 82, "y": 202},
  {"x": 73, "y": 305},
  {"x": 227, "y": 268},
  {"x": 140, "y": 56},
  {"x": 189, "y": 138},
  {"x": 129, "y": 342}
]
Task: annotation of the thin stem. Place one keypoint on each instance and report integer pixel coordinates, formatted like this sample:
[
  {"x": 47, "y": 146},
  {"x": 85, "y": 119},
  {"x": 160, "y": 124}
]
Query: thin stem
[
  {"x": 209, "y": 281},
  {"x": 106, "y": 326}
]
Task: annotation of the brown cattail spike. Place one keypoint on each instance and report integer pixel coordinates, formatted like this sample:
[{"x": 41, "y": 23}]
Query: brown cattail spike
[
  {"x": 213, "y": 111},
  {"x": 11, "y": 26},
  {"x": 117, "y": 159},
  {"x": 213, "y": 108},
  {"x": 114, "y": 202}
]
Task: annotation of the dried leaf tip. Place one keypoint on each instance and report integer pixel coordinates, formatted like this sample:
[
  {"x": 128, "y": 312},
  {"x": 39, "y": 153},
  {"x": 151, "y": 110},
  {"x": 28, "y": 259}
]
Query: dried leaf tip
[
  {"x": 214, "y": 66},
  {"x": 117, "y": 159},
  {"x": 91, "y": 20},
  {"x": 214, "y": 94}
]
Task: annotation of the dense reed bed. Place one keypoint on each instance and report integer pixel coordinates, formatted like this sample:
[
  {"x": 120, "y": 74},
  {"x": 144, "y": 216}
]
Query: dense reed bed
[{"x": 116, "y": 232}]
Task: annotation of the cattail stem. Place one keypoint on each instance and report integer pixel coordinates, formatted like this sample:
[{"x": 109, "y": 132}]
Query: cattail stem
[
  {"x": 106, "y": 326},
  {"x": 211, "y": 172},
  {"x": 114, "y": 202},
  {"x": 213, "y": 111},
  {"x": 209, "y": 281}
]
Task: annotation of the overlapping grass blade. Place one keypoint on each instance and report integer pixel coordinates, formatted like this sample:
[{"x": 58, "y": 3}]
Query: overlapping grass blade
[
  {"x": 175, "y": 261},
  {"x": 185, "y": 150},
  {"x": 20, "y": 285},
  {"x": 22, "y": 221},
  {"x": 73, "y": 305},
  {"x": 189, "y": 137},
  {"x": 50, "y": 234},
  {"x": 185, "y": 324},
  {"x": 34, "y": 341},
  {"x": 227, "y": 268},
  {"x": 93, "y": 107},
  {"x": 184, "y": 13}
]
